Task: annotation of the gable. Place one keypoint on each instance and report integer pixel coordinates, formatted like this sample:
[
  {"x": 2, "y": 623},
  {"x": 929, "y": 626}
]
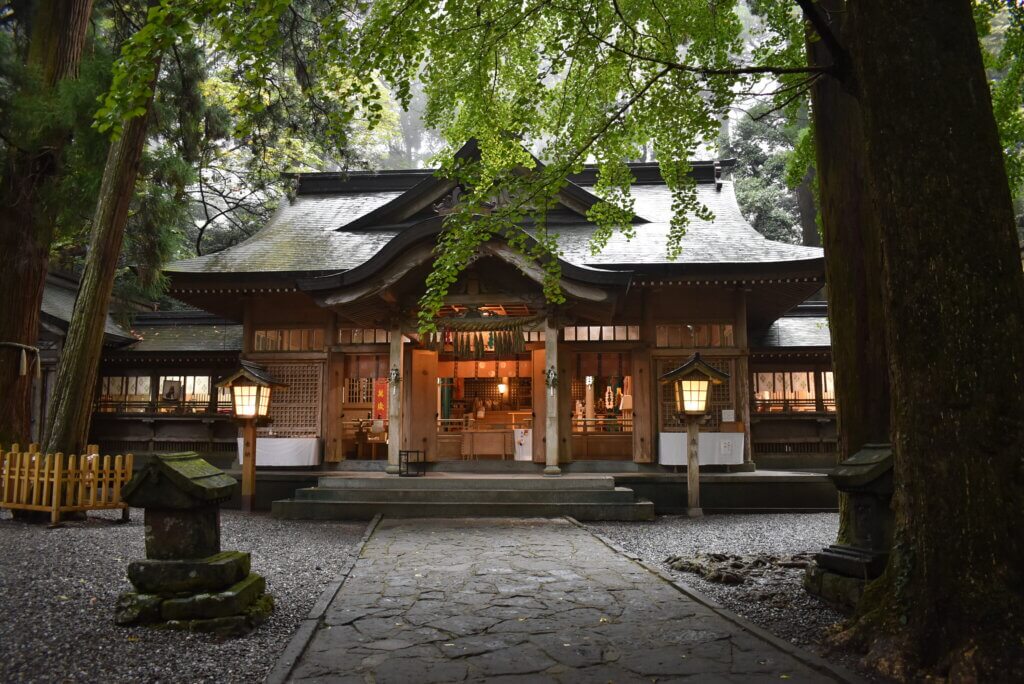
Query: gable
[{"x": 430, "y": 196}]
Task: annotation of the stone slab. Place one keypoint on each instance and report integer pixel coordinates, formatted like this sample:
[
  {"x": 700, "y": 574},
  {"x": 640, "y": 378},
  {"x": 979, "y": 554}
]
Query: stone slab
[
  {"x": 232, "y": 601},
  {"x": 232, "y": 625},
  {"x": 135, "y": 609},
  {"x": 210, "y": 574}
]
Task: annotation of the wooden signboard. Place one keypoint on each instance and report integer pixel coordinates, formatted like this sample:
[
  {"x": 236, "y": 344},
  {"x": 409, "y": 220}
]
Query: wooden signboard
[{"x": 380, "y": 399}]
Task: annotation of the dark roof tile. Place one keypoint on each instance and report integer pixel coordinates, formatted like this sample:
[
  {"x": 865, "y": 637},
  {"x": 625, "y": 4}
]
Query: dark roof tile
[
  {"x": 303, "y": 236},
  {"x": 794, "y": 331},
  {"x": 187, "y": 338}
]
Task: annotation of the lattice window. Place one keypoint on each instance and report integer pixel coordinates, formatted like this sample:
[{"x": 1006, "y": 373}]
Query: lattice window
[
  {"x": 358, "y": 390},
  {"x": 288, "y": 339},
  {"x": 363, "y": 336},
  {"x": 295, "y": 409},
  {"x": 601, "y": 333},
  {"x": 721, "y": 397}
]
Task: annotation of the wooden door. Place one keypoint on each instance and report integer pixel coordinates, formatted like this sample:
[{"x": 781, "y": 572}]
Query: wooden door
[{"x": 422, "y": 403}]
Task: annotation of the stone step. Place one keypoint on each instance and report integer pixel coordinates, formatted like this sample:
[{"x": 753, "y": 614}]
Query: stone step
[
  {"x": 231, "y": 601},
  {"x": 458, "y": 495},
  {"x": 602, "y": 482},
  {"x": 298, "y": 509},
  {"x": 213, "y": 573}
]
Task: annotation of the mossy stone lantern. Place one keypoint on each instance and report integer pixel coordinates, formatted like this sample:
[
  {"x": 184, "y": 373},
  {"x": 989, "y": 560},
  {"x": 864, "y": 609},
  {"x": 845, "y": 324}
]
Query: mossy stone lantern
[
  {"x": 691, "y": 386},
  {"x": 181, "y": 495},
  {"x": 251, "y": 387}
]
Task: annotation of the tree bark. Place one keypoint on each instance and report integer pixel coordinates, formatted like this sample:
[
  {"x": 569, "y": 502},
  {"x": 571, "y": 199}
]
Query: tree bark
[
  {"x": 26, "y": 223},
  {"x": 952, "y": 599},
  {"x": 853, "y": 260},
  {"x": 67, "y": 428}
]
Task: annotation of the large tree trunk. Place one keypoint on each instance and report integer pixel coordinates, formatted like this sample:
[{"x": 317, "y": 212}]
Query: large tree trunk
[
  {"x": 26, "y": 225},
  {"x": 853, "y": 259},
  {"x": 952, "y": 599},
  {"x": 67, "y": 427}
]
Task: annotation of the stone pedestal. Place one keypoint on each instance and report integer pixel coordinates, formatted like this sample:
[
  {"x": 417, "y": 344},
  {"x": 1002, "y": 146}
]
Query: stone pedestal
[
  {"x": 177, "y": 533},
  {"x": 186, "y": 582},
  {"x": 841, "y": 571}
]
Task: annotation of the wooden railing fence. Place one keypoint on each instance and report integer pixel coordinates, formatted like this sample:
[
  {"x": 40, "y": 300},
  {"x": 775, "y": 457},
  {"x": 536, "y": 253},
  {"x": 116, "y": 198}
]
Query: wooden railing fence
[{"x": 58, "y": 483}]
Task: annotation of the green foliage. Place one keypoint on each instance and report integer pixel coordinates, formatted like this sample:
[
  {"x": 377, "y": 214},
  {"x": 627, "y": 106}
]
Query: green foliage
[
  {"x": 591, "y": 81},
  {"x": 763, "y": 144},
  {"x": 1001, "y": 31}
]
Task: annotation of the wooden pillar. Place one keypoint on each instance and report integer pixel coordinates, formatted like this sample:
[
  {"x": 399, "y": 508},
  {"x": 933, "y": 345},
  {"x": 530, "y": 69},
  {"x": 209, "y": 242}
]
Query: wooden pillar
[
  {"x": 566, "y": 370},
  {"x": 552, "y": 423},
  {"x": 335, "y": 387},
  {"x": 646, "y": 397},
  {"x": 395, "y": 400},
  {"x": 743, "y": 374},
  {"x": 643, "y": 413},
  {"x": 693, "y": 508},
  {"x": 249, "y": 465},
  {"x": 540, "y": 402}
]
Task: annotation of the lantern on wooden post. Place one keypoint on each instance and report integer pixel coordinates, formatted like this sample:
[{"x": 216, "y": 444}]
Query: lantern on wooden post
[
  {"x": 691, "y": 386},
  {"x": 251, "y": 387}
]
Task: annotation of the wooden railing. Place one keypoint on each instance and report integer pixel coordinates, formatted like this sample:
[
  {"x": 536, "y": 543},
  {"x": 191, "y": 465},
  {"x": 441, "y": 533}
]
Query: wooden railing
[
  {"x": 58, "y": 483},
  {"x": 603, "y": 425}
]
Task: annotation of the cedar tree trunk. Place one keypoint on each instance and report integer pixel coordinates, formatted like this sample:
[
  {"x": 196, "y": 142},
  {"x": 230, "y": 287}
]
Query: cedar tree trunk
[
  {"x": 67, "y": 427},
  {"x": 952, "y": 599},
  {"x": 853, "y": 259},
  {"x": 59, "y": 30}
]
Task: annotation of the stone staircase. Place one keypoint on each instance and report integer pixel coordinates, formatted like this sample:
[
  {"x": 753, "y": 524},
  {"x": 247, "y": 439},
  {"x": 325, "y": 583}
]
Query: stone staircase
[{"x": 361, "y": 498}]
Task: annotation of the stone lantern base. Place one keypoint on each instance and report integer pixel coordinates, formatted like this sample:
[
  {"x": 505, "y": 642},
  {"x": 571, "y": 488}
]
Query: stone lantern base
[{"x": 215, "y": 594}]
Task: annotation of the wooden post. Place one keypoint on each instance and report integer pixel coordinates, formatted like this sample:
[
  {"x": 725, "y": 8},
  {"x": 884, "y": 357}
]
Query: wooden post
[
  {"x": 693, "y": 467},
  {"x": 742, "y": 380},
  {"x": 395, "y": 360},
  {"x": 249, "y": 465},
  {"x": 551, "y": 431},
  {"x": 58, "y": 481},
  {"x": 540, "y": 402},
  {"x": 643, "y": 413}
]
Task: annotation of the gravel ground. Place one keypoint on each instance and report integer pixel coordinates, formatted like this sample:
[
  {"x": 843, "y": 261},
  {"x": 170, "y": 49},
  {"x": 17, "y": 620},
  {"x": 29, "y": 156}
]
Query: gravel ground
[
  {"x": 58, "y": 589},
  {"x": 776, "y": 601}
]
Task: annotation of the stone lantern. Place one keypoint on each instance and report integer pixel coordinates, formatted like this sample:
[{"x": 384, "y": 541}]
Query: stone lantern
[
  {"x": 842, "y": 570},
  {"x": 186, "y": 581}
]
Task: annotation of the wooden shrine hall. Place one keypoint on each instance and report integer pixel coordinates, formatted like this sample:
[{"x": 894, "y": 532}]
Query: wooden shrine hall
[{"x": 325, "y": 297}]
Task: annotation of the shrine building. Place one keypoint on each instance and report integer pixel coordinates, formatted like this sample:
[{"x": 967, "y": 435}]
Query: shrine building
[{"x": 326, "y": 295}]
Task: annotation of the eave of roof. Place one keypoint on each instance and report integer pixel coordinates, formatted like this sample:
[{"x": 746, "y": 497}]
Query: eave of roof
[
  {"x": 58, "y": 305},
  {"x": 791, "y": 332}
]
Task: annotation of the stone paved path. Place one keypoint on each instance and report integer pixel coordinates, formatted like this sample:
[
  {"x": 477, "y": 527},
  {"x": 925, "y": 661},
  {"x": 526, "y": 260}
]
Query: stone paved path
[{"x": 449, "y": 600}]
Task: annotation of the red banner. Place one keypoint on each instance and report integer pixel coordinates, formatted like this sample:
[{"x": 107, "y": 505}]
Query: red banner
[{"x": 380, "y": 399}]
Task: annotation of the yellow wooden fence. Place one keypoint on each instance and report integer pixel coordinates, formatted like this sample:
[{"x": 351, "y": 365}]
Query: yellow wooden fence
[{"x": 58, "y": 483}]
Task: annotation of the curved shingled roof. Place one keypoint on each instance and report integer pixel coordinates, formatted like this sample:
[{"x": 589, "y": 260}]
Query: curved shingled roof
[{"x": 303, "y": 237}]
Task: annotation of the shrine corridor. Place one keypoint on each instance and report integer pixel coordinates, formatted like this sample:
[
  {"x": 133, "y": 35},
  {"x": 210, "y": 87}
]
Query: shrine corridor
[{"x": 534, "y": 600}]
